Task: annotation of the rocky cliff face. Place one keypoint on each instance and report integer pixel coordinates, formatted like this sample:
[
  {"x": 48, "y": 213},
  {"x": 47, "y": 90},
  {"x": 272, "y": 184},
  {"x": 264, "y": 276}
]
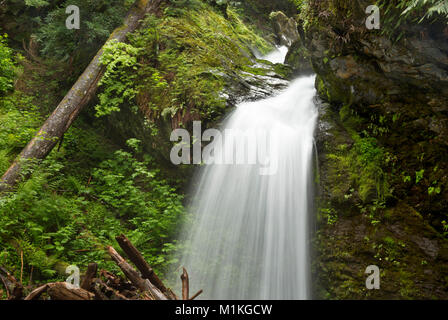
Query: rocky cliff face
[
  {"x": 382, "y": 152},
  {"x": 386, "y": 230}
]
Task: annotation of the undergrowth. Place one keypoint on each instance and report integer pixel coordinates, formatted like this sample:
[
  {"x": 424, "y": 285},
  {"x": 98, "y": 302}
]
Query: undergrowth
[{"x": 79, "y": 199}]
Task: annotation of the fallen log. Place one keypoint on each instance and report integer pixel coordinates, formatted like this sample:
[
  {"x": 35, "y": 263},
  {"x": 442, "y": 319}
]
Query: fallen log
[
  {"x": 147, "y": 272},
  {"x": 36, "y": 293},
  {"x": 66, "y": 291},
  {"x": 76, "y": 99},
  {"x": 144, "y": 285},
  {"x": 107, "y": 286}
]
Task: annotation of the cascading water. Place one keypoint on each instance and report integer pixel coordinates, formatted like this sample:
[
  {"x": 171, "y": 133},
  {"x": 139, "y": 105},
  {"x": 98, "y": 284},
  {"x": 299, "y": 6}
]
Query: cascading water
[
  {"x": 278, "y": 55},
  {"x": 249, "y": 235}
]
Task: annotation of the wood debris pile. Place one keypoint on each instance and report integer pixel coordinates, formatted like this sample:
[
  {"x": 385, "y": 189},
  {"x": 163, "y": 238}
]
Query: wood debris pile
[{"x": 143, "y": 284}]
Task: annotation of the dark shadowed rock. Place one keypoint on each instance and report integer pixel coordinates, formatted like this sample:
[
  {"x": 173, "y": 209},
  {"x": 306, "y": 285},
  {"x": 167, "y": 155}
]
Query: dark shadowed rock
[{"x": 394, "y": 92}]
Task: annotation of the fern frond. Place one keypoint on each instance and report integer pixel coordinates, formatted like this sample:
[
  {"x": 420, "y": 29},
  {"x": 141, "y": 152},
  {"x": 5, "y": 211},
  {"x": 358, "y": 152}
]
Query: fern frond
[{"x": 432, "y": 7}]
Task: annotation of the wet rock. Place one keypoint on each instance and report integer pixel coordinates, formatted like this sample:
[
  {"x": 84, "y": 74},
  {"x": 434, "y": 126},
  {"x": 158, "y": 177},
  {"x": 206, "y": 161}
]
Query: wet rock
[
  {"x": 396, "y": 92},
  {"x": 409, "y": 252},
  {"x": 247, "y": 86},
  {"x": 413, "y": 67},
  {"x": 430, "y": 247},
  {"x": 298, "y": 58},
  {"x": 285, "y": 28}
]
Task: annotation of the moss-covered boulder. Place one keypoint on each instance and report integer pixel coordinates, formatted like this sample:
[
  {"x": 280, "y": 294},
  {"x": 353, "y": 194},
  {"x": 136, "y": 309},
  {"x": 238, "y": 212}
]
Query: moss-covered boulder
[
  {"x": 285, "y": 28},
  {"x": 298, "y": 58}
]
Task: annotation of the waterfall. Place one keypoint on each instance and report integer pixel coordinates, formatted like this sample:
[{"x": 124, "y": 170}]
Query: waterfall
[
  {"x": 278, "y": 55},
  {"x": 249, "y": 234}
]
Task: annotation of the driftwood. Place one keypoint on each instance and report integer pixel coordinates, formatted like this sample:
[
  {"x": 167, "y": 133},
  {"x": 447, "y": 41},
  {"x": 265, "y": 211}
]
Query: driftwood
[
  {"x": 147, "y": 272},
  {"x": 76, "y": 99},
  {"x": 36, "y": 293},
  {"x": 144, "y": 285},
  {"x": 105, "y": 285},
  {"x": 66, "y": 291},
  {"x": 111, "y": 279}
]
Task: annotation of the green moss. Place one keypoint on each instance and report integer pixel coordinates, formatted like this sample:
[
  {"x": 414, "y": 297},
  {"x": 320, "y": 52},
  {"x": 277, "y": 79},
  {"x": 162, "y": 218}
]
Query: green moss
[
  {"x": 284, "y": 70},
  {"x": 182, "y": 62},
  {"x": 255, "y": 71},
  {"x": 362, "y": 165}
]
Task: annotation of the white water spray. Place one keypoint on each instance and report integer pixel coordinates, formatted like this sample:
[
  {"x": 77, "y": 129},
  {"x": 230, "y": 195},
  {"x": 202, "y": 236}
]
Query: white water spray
[
  {"x": 249, "y": 237},
  {"x": 278, "y": 55}
]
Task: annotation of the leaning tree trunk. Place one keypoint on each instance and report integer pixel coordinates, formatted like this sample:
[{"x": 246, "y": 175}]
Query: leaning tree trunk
[{"x": 78, "y": 96}]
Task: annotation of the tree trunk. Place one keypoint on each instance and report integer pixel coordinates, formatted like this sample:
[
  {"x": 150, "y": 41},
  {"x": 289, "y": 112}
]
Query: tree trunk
[{"x": 78, "y": 97}]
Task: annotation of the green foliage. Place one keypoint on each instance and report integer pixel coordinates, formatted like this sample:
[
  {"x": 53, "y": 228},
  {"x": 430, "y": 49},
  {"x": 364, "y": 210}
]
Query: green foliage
[
  {"x": 299, "y": 4},
  {"x": 89, "y": 191},
  {"x": 98, "y": 19},
  {"x": 57, "y": 216},
  {"x": 260, "y": 9},
  {"x": 432, "y": 7},
  {"x": 357, "y": 164},
  {"x": 118, "y": 80},
  {"x": 19, "y": 119},
  {"x": 174, "y": 65},
  {"x": 419, "y": 175},
  {"x": 178, "y": 7},
  {"x": 370, "y": 158},
  {"x": 79, "y": 199},
  {"x": 150, "y": 206},
  {"x": 7, "y": 68},
  {"x": 46, "y": 21},
  {"x": 329, "y": 214},
  {"x": 368, "y": 151},
  {"x": 36, "y": 3},
  {"x": 402, "y": 12},
  {"x": 434, "y": 190},
  {"x": 445, "y": 228}
]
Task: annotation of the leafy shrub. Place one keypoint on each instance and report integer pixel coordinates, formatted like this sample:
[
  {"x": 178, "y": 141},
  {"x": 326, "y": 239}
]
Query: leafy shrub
[
  {"x": 118, "y": 80},
  {"x": 401, "y": 12},
  {"x": 98, "y": 19},
  {"x": 6, "y": 66},
  {"x": 432, "y": 7},
  {"x": 78, "y": 200}
]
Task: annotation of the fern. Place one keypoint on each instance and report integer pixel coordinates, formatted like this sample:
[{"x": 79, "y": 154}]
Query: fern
[{"x": 434, "y": 7}]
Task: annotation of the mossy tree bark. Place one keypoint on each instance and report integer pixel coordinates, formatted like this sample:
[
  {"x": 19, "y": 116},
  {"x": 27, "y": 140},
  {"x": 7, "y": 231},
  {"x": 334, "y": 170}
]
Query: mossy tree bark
[{"x": 78, "y": 97}]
